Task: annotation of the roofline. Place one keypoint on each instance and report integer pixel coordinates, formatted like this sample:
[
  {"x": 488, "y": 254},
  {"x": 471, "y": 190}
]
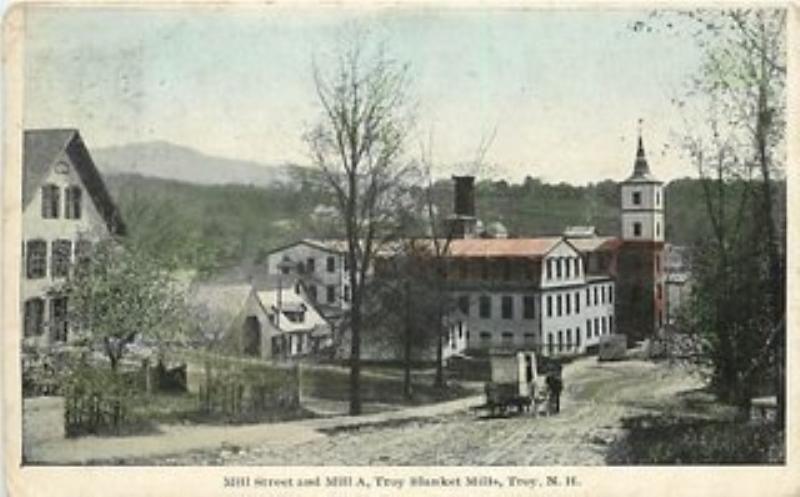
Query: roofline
[{"x": 305, "y": 241}]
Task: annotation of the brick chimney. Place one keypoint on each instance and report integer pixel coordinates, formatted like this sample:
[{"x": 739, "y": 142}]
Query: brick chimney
[
  {"x": 463, "y": 222},
  {"x": 464, "y": 196}
]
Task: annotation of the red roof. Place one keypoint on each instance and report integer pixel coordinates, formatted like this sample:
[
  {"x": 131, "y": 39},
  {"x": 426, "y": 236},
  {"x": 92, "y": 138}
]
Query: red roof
[{"x": 533, "y": 248}]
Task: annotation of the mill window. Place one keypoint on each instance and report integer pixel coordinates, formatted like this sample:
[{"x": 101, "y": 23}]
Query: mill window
[
  {"x": 507, "y": 305},
  {"x": 528, "y": 307},
  {"x": 485, "y": 305},
  {"x": 463, "y": 304}
]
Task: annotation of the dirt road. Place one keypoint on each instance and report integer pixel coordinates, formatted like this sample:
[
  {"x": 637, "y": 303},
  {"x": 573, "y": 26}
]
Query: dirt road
[{"x": 596, "y": 397}]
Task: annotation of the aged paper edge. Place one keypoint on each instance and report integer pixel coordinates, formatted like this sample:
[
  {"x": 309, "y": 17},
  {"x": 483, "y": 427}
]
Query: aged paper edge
[{"x": 208, "y": 481}]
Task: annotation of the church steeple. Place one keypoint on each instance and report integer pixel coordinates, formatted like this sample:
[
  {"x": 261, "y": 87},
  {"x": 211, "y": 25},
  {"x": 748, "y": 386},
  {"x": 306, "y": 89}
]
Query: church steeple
[{"x": 641, "y": 170}]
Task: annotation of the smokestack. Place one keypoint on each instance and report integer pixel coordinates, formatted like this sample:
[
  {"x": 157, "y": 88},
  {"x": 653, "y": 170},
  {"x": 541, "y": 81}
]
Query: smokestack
[{"x": 464, "y": 196}]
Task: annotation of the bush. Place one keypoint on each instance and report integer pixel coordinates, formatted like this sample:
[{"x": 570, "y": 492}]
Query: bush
[
  {"x": 98, "y": 400},
  {"x": 668, "y": 439}
]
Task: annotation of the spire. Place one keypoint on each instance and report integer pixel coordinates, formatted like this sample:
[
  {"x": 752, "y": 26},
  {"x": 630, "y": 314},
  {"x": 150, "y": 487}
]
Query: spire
[{"x": 640, "y": 167}]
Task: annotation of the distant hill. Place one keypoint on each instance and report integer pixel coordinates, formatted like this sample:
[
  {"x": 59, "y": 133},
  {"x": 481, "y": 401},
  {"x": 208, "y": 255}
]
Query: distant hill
[{"x": 166, "y": 160}]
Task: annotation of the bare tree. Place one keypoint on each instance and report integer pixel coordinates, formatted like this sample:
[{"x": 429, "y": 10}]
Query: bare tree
[{"x": 358, "y": 146}]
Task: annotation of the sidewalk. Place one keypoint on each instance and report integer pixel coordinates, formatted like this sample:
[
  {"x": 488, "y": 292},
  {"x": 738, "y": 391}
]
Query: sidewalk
[{"x": 175, "y": 439}]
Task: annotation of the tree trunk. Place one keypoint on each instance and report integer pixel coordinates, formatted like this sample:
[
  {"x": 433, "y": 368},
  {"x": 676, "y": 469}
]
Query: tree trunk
[
  {"x": 355, "y": 356},
  {"x": 407, "y": 345}
]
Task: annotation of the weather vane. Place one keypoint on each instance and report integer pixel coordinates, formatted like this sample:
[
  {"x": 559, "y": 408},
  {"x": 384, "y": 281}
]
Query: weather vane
[{"x": 639, "y": 127}]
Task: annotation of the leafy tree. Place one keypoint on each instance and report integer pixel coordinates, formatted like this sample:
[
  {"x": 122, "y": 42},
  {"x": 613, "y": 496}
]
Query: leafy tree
[
  {"x": 735, "y": 125},
  {"x": 357, "y": 147},
  {"x": 120, "y": 294}
]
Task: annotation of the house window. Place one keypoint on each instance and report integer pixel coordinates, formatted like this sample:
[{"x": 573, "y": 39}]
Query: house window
[
  {"x": 460, "y": 330},
  {"x": 36, "y": 259},
  {"x": 58, "y": 319},
  {"x": 331, "y": 294},
  {"x": 331, "y": 263},
  {"x": 463, "y": 304},
  {"x": 602, "y": 294},
  {"x": 569, "y": 338},
  {"x": 310, "y": 264},
  {"x": 604, "y": 320},
  {"x": 346, "y": 292},
  {"x": 530, "y": 337},
  {"x": 60, "y": 258},
  {"x": 508, "y": 337},
  {"x": 596, "y": 326},
  {"x": 577, "y": 302},
  {"x": 50, "y": 201},
  {"x": 558, "y": 267},
  {"x": 588, "y": 298},
  {"x": 611, "y": 324},
  {"x": 34, "y": 317},
  {"x": 658, "y": 229},
  {"x": 558, "y": 305},
  {"x": 658, "y": 198},
  {"x": 549, "y": 305},
  {"x": 507, "y": 307},
  {"x": 588, "y": 328},
  {"x": 577, "y": 266},
  {"x": 637, "y": 229},
  {"x": 610, "y": 294},
  {"x": 560, "y": 340},
  {"x": 83, "y": 252},
  {"x": 528, "y": 307},
  {"x": 595, "y": 295},
  {"x": 485, "y": 307},
  {"x": 578, "y": 337},
  {"x": 72, "y": 207},
  {"x": 550, "y": 343},
  {"x": 637, "y": 198},
  {"x": 549, "y": 269},
  {"x": 485, "y": 336},
  {"x": 567, "y": 266},
  {"x": 312, "y": 292}
]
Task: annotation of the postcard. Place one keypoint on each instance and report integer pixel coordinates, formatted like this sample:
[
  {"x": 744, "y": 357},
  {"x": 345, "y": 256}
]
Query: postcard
[{"x": 420, "y": 248}]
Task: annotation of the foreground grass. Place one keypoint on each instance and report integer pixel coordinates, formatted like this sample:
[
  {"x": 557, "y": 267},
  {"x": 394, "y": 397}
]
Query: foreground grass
[{"x": 695, "y": 428}]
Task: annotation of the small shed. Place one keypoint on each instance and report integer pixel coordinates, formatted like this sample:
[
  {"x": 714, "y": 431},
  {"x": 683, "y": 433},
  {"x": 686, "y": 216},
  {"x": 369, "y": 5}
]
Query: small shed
[{"x": 612, "y": 347}]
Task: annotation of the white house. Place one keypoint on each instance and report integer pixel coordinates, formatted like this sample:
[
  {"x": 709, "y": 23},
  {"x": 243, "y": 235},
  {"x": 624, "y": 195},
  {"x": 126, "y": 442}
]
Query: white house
[
  {"x": 321, "y": 265},
  {"x": 268, "y": 319},
  {"x": 66, "y": 208}
]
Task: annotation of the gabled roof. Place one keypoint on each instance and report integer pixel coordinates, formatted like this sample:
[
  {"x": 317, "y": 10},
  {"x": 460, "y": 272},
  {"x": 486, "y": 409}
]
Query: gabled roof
[
  {"x": 41, "y": 147},
  {"x": 503, "y": 247},
  {"x": 595, "y": 243}
]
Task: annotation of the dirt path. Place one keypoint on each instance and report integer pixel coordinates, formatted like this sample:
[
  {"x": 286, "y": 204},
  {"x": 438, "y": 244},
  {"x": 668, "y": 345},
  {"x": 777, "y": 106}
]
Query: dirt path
[{"x": 596, "y": 398}]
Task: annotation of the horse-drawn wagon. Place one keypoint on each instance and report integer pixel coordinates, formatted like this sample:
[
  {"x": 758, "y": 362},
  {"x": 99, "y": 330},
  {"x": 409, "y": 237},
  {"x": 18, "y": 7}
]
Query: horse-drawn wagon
[{"x": 513, "y": 383}]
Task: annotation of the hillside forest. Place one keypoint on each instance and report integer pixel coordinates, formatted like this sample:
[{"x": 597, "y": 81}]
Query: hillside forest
[{"x": 210, "y": 228}]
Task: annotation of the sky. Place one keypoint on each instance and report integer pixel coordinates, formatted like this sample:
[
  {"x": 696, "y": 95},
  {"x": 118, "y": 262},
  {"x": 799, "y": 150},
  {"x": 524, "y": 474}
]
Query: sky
[{"x": 559, "y": 91}]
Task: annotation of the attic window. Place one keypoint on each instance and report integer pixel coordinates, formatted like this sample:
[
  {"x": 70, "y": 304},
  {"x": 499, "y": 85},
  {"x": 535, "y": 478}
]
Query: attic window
[
  {"x": 62, "y": 168},
  {"x": 72, "y": 207},
  {"x": 50, "y": 201}
]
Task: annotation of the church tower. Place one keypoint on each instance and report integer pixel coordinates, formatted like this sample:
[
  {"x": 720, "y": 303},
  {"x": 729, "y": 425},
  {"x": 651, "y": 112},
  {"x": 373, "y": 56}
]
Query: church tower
[{"x": 641, "y": 295}]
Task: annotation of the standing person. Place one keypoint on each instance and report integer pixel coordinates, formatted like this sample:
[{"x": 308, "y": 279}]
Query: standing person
[{"x": 554, "y": 387}]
